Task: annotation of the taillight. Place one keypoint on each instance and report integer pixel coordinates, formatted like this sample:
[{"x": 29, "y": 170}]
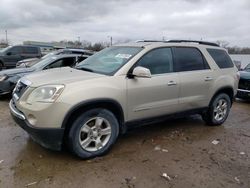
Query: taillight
[{"x": 238, "y": 75}]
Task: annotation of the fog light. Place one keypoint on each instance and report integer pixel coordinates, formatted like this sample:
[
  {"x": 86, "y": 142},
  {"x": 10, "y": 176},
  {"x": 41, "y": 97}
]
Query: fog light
[{"x": 31, "y": 119}]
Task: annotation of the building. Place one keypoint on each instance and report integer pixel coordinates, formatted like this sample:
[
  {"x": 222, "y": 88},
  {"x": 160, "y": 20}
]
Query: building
[{"x": 46, "y": 47}]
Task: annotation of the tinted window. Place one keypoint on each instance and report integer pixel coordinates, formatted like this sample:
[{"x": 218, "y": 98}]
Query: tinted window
[
  {"x": 158, "y": 61},
  {"x": 15, "y": 50},
  {"x": 189, "y": 59},
  {"x": 221, "y": 58},
  {"x": 30, "y": 50}
]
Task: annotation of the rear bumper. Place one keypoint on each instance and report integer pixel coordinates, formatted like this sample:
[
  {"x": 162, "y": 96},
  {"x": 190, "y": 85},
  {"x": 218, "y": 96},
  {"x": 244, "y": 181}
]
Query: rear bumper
[
  {"x": 50, "y": 138},
  {"x": 244, "y": 94}
]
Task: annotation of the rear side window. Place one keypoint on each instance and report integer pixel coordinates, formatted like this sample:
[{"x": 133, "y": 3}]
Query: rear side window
[
  {"x": 15, "y": 50},
  {"x": 30, "y": 50},
  {"x": 189, "y": 59},
  {"x": 158, "y": 61},
  {"x": 221, "y": 58}
]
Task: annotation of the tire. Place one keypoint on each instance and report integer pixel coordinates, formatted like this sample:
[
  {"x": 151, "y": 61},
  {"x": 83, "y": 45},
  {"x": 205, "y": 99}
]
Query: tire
[
  {"x": 1, "y": 66},
  {"x": 93, "y": 133},
  {"x": 218, "y": 110}
]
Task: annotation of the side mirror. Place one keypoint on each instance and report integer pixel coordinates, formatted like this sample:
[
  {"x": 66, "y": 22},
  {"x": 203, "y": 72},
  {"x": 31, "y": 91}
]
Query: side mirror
[
  {"x": 8, "y": 53},
  {"x": 141, "y": 72}
]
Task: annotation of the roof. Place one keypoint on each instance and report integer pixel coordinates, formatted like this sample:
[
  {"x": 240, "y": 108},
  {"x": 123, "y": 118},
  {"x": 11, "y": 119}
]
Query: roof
[
  {"x": 69, "y": 55},
  {"x": 144, "y": 43}
]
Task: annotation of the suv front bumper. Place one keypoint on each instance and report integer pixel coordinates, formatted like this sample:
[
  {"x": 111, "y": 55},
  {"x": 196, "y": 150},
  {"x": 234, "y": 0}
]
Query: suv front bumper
[
  {"x": 50, "y": 138},
  {"x": 244, "y": 94}
]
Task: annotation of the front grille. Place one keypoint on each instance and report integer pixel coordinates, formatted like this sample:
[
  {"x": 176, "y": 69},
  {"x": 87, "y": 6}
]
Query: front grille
[
  {"x": 244, "y": 84},
  {"x": 20, "y": 89}
]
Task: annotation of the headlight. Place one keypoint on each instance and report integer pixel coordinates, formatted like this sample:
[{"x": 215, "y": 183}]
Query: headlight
[
  {"x": 3, "y": 77},
  {"x": 47, "y": 93}
]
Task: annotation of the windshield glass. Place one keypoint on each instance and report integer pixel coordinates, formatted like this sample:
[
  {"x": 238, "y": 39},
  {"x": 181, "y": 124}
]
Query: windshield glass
[
  {"x": 109, "y": 60},
  {"x": 5, "y": 49},
  {"x": 247, "y": 68},
  {"x": 44, "y": 62}
]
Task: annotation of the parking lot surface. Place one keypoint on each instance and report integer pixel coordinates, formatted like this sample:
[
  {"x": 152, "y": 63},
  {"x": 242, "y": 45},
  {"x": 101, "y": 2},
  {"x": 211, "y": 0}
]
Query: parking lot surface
[{"x": 176, "y": 153}]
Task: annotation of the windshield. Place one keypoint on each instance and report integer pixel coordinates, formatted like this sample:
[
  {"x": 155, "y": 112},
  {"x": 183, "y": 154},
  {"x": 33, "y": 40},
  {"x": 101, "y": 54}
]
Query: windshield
[
  {"x": 44, "y": 62},
  {"x": 57, "y": 52},
  {"x": 109, "y": 60},
  {"x": 5, "y": 49},
  {"x": 247, "y": 68}
]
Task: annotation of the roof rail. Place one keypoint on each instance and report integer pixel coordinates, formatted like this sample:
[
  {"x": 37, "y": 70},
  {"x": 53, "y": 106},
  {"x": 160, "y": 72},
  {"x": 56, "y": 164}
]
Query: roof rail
[
  {"x": 179, "y": 41},
  {"x": 195, "y": 41},
  {"x": 151, "y": 41}
]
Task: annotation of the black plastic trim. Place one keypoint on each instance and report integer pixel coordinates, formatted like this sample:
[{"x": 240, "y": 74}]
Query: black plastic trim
[
  {"x": 83, "y": 104},
  {"x": 50, "y": 138},
  {"x": 157, "y": 119}
]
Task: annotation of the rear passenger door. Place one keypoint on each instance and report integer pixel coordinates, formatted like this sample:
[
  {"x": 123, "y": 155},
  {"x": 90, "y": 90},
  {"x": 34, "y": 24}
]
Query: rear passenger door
[
  {"x": 30, "y": 52},
  {"x": 196, "y": 77},
  {"x": 155, "y": 96}
]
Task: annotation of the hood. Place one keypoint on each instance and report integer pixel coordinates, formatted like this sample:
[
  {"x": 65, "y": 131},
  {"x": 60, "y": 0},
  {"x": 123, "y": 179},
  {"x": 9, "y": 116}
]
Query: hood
[
  {"x": 245, "y": 75},
  {"x": 28, "y": 60},
  {"x": 63, "y": 75},
  {"x": 15, "y": 71}
]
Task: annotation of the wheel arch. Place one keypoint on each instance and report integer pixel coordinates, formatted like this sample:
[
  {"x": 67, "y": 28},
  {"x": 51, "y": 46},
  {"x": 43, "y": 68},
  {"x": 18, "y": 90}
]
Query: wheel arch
[
  {"x": 82, "y": 107},
  {"x": 227, "y": 90},
  {"x": 1, "y": 62}
]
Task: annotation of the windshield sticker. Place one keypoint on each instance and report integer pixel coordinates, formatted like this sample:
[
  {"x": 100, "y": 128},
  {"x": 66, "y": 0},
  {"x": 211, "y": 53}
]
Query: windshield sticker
[{"x": 123, "y": 56}]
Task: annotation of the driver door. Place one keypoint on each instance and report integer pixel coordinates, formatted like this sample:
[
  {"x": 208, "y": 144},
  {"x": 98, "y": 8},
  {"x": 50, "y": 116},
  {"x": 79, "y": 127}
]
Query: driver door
[
  {"x": 155, "y": 96},
  {"x": 12, "y": 56}
]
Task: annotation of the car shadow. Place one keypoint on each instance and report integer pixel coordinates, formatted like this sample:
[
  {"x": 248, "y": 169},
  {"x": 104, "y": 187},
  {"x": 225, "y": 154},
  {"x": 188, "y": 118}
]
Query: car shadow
[{"x": 6, "y": 97}]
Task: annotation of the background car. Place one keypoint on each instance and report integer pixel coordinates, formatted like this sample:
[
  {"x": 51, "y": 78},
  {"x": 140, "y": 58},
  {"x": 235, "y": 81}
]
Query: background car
[
  {"x": 243, "y": 91},
  {"x": 11, "y": 55},
  {"x": 9, "y": 78},
  {"x": 28, "y": 62}
]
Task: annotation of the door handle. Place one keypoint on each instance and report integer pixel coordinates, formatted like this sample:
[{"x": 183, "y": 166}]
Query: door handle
[
  {"x": 208, "y": 78},
  {"x": 172, "y": 83}
]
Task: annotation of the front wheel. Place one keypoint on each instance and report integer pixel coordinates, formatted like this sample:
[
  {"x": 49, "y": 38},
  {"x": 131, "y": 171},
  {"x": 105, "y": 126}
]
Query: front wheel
[
  {"x": 93, "y": 133},
  {"x": 218, "y": 110}
]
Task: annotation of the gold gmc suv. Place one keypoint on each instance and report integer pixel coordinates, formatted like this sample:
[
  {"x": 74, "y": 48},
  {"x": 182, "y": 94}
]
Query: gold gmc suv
[{"x": 88, "y": 106}]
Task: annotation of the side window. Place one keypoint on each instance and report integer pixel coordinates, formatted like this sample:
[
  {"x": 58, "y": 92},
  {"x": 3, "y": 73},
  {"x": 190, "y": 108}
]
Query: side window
[
  {"x": 30, "y": 50},
  {"x": 221, "y": 58},
  {"x": 70, "y": 61},
  {"x": 189, "y": 59},
  {"x": 15, "y": 50},
  {"x": 158, "y": 61}
]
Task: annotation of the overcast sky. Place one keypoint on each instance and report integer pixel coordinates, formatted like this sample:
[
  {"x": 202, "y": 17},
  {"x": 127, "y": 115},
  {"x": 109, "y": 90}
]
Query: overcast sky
[{"x": 95, "y": 20}]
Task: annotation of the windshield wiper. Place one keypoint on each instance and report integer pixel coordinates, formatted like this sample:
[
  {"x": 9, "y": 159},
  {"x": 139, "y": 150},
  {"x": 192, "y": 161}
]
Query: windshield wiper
[{"x": 84, "y": 69}]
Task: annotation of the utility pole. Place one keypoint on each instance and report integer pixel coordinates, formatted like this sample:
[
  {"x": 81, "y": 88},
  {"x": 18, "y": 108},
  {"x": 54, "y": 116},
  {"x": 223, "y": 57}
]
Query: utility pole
[
  {"x": 111, "y": 40},
  {"x": 6, "y": 36},
  {"x": 79, "y": 41}
]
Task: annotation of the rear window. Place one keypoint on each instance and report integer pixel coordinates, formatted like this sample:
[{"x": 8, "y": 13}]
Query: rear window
[
  {"x": 31, "y": 50},
  {"x": 221, "y": 58},
  {"x": 189, "y": 59}
]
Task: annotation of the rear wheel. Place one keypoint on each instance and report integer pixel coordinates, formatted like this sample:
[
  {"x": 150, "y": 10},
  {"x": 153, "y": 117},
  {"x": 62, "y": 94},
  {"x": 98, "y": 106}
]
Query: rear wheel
[
  {"x": 218, "y": 110},
  {"x": 93, "y": 133}
]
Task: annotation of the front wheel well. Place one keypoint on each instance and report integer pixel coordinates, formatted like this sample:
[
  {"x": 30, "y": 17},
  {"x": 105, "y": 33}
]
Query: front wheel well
[
  {"x": 110, "y": 105},
  {"x": 1, "y": 63}
]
